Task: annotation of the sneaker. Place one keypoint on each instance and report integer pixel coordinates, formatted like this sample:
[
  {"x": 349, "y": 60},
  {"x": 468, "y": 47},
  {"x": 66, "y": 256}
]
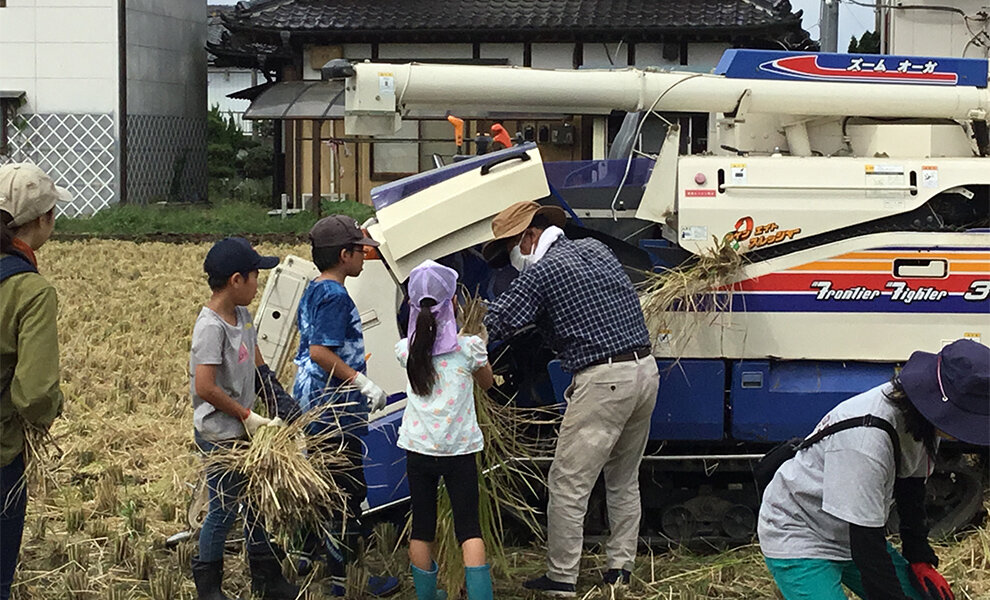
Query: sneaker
[
  {"x": 616, "y": 577},
  {"x": 550, "y": 587}
]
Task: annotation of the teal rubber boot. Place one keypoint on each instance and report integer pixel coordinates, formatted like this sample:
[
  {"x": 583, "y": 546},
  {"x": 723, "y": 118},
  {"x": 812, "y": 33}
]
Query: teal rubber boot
[
  {"x": 426, "y": 584},
  {"x": 479, "y": 582}
]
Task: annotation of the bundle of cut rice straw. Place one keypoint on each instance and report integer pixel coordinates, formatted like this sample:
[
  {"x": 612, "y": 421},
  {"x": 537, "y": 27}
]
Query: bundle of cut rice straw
[
  {"x": 703, "y": 286},
  {"x": 290, "y": 489},
  {"x": 41, "y": 457}
]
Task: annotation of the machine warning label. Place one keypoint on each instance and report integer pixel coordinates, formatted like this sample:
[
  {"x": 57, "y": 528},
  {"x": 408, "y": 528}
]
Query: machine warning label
[
  {"x": 386, "y": 83},
  {"x": 883, "y": 177},
  {"x": 738, "y": 173},
  {"x": 694, "y": 233},
  {"x": 929, "y": 176},
  {"x": 699, "y": 193}
]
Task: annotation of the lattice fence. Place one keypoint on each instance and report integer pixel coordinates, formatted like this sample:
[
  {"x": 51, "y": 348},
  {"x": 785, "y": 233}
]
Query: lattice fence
[
  {"x": 166, "y": 159},
  {"x": 77, "y": 150}
]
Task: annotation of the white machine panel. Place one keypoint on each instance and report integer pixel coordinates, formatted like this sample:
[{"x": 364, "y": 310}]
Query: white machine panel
[
  {"x": 276, "y": 318},
  {"x": 455, "y": 213}
]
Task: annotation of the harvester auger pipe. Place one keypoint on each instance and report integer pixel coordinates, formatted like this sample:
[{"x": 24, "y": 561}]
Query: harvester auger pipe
[{"x": 379, "y": 89}]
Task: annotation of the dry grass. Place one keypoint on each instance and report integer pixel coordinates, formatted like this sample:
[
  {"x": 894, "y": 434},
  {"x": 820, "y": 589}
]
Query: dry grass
[
  {"x": 679, "y": 301},
  {"x": 126, "y": 313},
  {"x": 290, "y": 490}
]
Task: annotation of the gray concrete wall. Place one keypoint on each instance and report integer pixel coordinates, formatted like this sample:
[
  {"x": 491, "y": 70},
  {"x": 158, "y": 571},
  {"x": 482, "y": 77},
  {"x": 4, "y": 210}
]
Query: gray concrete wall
[{"x": 166, "y": 100}]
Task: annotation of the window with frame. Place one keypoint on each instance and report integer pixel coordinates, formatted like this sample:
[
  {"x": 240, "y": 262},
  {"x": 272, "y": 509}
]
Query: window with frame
[
  {"x": 397, "y": 157},
  {"x": 392, "y": 157}
]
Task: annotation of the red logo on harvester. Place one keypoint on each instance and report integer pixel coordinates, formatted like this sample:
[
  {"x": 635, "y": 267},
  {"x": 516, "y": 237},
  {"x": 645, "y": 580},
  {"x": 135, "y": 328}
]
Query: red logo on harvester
[{"x": 873, "y": 70}]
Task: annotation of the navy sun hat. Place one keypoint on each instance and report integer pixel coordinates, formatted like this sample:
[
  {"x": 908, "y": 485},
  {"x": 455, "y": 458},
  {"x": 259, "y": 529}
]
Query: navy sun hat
[
  {"x": 235, "y": 255},
  {"x": 952, "y": 389}
]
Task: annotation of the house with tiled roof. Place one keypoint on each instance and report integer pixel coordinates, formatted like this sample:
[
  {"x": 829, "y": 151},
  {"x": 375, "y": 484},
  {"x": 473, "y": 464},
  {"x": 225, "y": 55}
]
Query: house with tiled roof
[
  {"x": 290, "y": 40},
  {"x": 225, "y": 79}
]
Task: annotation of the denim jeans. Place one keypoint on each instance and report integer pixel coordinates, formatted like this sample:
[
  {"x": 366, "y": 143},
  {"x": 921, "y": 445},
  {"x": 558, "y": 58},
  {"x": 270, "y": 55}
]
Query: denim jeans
[
  {"x": 225, "y": 487},
  {"x": 13, "y": 502}
]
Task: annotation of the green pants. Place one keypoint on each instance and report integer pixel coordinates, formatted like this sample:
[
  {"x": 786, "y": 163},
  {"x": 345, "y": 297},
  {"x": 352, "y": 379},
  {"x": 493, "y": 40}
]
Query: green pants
[{"x": 820, "y": 579}]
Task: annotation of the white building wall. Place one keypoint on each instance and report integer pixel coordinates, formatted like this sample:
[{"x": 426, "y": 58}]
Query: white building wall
[
  {"x": 553, "y": 56},
  {"x": 514, "y": 53},
  {"x": 923, "y": 32},
  {"x": 605, "y": 55},
  {"x": 62, "y": 53},
  {"x": 220, "y": 82},
  {"x": 388, "y": 52}
]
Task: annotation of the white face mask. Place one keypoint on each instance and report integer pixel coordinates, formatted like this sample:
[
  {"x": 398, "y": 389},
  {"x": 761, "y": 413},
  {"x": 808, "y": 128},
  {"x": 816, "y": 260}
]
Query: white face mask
[{"x": 519, "y": 260}]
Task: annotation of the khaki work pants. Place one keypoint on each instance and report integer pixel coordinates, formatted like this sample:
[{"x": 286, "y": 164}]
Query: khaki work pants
[{"x": 606, "y": 427}]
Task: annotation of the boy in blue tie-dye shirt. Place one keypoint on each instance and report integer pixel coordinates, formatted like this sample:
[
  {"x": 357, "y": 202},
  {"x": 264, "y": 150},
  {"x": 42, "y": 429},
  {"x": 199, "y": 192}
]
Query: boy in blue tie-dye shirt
[{"x": 331, "y": 360}]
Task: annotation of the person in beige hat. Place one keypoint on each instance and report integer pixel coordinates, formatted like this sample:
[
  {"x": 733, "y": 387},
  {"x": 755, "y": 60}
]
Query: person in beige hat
[
  {"x": 28, "y": 341},
  {"x": 579, "y": 294}
]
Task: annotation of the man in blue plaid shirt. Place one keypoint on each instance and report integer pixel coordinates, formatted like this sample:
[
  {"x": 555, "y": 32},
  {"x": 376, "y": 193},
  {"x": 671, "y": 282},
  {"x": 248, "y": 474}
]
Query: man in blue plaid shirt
[{"x": 579, "y": 293}]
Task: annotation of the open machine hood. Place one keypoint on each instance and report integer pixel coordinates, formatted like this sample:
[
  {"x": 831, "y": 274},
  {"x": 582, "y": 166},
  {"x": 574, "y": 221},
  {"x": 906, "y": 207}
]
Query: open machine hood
[{"x": 444, "y": 210}]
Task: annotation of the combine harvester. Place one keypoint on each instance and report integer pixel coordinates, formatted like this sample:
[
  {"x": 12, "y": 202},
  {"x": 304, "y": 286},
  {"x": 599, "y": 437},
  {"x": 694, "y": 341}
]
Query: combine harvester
[{"x": 854, "y": 186}]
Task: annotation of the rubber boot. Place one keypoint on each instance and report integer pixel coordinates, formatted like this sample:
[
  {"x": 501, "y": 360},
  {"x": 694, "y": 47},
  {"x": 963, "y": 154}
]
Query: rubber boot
[
  {"x": 208, "y": 576},
  {"x": 267, "y": 581},
  {"x": 478, "y": 581},
  {"x": 425, "y": 583}
]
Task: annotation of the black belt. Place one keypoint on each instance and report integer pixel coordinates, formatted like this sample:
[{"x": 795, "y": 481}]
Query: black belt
[{"x": 634, "y": 354}]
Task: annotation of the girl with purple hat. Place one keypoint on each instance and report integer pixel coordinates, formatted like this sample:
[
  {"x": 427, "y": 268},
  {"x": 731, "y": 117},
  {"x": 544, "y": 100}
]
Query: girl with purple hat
[
  {"x": 822, "y": 520},
  {"x": 440, "y": 430}
]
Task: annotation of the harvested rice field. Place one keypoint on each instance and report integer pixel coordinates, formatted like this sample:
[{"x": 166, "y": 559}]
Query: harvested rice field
[{"x": 123, "y": 483}]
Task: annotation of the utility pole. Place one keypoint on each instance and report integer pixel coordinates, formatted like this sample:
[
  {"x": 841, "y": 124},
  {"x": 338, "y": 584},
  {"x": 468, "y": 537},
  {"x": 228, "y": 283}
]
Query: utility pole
[{"x": 829, "y": 27}]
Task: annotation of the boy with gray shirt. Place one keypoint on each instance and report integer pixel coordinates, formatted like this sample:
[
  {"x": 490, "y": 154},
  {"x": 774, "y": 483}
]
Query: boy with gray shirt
[{"x": 222, "y": 365}]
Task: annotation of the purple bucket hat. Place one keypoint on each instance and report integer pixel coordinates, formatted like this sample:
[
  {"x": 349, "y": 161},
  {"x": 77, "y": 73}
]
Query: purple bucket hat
[
  {"x": 952, "y": 389},
  {"x": 439, "y": 283}
]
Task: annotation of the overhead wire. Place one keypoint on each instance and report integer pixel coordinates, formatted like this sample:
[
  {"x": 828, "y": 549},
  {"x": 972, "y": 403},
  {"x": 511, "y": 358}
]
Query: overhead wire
[{"x": 639, "y": 129}]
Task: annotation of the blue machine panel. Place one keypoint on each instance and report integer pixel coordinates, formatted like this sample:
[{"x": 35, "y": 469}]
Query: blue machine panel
[
  {"x": 690, "y": 402},
  {"x": 855, "y": 68},
  {"x": 385, "y": 462},
  {"x": 776, "y": 401}
]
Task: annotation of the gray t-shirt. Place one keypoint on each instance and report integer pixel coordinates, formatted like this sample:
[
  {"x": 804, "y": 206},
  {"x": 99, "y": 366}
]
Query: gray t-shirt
[
  {"x": 848, "y": 477},
  {"x": 217, "y": 342}
]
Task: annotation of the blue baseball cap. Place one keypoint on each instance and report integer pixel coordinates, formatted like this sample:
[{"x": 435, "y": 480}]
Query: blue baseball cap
[{"x": 235, "y": 255}]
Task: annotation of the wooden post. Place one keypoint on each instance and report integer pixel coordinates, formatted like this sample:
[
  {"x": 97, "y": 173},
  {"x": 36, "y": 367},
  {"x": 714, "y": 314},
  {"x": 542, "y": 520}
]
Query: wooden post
[{"x": 317, "y": 163}]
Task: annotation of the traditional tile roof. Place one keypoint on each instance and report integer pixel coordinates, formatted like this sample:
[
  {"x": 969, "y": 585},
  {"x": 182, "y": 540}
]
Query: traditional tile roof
[
  {"x": 512, "y": 20},
  {"x": 265, "y": 34}
]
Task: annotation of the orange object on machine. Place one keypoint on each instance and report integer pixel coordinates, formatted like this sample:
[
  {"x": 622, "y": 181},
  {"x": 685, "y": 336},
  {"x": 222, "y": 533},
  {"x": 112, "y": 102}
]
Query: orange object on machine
[
  {"x": 500, "y": 135},
  {"x": 458, "y": 131}
]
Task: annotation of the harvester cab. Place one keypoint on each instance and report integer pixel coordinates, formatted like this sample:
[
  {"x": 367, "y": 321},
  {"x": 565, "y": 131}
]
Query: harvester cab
[{"x": 853, "y": 187}]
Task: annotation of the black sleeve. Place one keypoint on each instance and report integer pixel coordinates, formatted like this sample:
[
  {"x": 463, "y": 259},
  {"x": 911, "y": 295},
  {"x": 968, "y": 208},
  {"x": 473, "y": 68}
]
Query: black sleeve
[
  {"x": 869, "y": 553},
  {"x": 909, "y": 493},
  {"x": 278, "y": 402}
]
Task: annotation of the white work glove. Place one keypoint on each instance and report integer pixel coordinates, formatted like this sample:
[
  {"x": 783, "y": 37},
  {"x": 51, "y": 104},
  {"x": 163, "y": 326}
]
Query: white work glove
[
  {"x": 253, "y": 421},
  {"x": 369, "y": 389}
]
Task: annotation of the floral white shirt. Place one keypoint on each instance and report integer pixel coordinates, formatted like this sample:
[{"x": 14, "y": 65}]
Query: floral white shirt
[{"x": 444, "y": 423}]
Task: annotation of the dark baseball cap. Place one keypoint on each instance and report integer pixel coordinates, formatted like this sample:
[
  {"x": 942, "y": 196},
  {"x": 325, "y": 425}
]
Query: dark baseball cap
[
  {"x": 338, "y": 230},
  {"x": 235, "y": 255}
]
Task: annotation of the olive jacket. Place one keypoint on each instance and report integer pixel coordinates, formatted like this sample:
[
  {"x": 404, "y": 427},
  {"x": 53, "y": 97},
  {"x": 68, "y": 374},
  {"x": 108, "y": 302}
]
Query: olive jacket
[{"x": 29, "y": 370}]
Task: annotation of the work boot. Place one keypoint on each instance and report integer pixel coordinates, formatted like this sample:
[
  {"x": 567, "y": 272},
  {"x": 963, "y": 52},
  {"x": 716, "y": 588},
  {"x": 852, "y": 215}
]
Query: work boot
[
  {"x": 478, "y": 581},
  {"x": 267, "y": 581},
  {"x": 425, "y": 583},
  {"x": 208, "y": 576}
]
